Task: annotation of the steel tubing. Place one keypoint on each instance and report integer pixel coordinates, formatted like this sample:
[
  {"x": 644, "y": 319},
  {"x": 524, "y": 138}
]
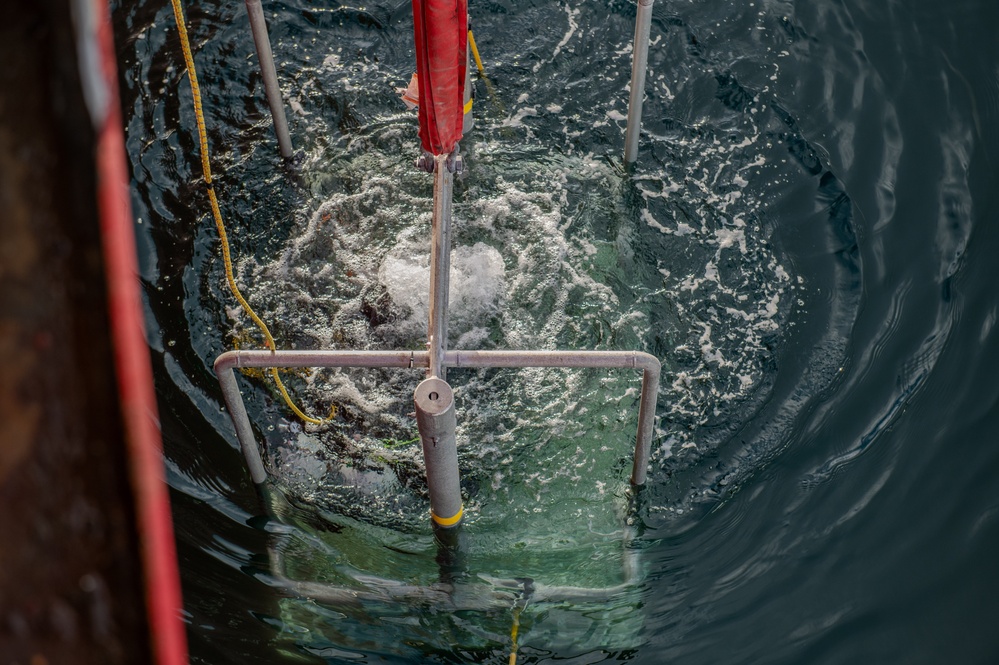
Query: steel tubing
[
  {"x": 435, "y": 419},
  {"x": 227, "y": 362},
  {"x": 639, "y": 64},
  {"x": 440, "y": 266},
  {"x": 258, "y": 26},
  {"x": 491, "y": 594},
  {"x": 649, "y": 365},
  {"x": 241, "y": 421},
  {"x": 592, "y": 359},
  {"x": 264, "y": 358}
]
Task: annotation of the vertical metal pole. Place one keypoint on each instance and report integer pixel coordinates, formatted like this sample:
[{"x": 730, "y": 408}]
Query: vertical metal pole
[
  {"x": 467, "y": 122},
  {"x": 639, "y": 63},
  {"x": 435, "y": 418},
  {"x": 440, "y": 266},
  {"x": 259, "y": 28},
  {"x": 434, "y": 399},
  {"x": 646, "y": 423},
  {"x": 237, "y": 411}
]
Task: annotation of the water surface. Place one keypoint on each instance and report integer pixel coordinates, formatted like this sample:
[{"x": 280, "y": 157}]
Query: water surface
[{"x": 803, "y": 243}]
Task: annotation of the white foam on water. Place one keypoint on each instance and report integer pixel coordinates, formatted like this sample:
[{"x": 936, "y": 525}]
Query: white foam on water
[
  {"x": 571, "y": 15},
  {"x": 477, "y": 282}
]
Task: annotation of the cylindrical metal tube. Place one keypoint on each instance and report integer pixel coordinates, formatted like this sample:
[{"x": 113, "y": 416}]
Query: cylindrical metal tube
[
  {"x": 329, "y": 358},
  {"x": 229, "y": 360},
  {"x": 237, "y": 411},
  {"x": 269, "y": 74},
  {"x": 639, "y": 63},
  {"x": 435, "y": 419},
  {"x": 440, "y": 266},
  {"x": 468, "y": 122},
  {"x": 452, "y": 554},
  {"x": 555, "y": 358},
  {"x": 646, "y": 423}
]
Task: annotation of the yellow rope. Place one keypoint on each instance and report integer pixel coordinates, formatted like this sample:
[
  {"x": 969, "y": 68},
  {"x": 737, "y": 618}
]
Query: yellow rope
[
  {"x": 497, "y": 104},
  {"x": 513, "y": 635},
  {"x": 475, "y": 53},
  {"x": 206, "y": 169}
]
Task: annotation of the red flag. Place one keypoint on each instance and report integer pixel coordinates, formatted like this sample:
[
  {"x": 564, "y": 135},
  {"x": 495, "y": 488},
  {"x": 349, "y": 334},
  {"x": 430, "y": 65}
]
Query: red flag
[{"x": 441, "y": 30}]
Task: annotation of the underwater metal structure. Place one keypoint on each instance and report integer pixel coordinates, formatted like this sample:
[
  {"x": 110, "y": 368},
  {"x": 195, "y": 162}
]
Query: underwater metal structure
[{"x": 441, "y": 30}]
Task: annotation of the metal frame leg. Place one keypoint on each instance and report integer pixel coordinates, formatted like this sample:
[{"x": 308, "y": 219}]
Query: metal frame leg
[
  {"x": 267, "y": 71},
  {"x": 639, "y": 64}
]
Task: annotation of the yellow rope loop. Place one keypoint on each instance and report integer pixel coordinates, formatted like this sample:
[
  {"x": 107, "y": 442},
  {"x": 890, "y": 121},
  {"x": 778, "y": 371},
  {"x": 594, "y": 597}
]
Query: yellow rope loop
[{"x": 206, "y": 169}]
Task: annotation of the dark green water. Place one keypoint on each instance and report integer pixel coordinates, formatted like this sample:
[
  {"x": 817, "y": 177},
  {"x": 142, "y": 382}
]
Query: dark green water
[{"x": 804, "y": 243}]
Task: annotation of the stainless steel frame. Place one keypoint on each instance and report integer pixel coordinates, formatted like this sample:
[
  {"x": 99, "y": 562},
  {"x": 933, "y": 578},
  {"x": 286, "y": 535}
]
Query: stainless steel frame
[
  {"x": 227, "y": 362},
  {"x": 490, "y": 593}
]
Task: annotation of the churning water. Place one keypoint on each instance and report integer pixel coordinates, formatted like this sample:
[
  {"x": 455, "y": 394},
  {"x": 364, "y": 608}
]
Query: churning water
[{"x": 801, "y": 244}]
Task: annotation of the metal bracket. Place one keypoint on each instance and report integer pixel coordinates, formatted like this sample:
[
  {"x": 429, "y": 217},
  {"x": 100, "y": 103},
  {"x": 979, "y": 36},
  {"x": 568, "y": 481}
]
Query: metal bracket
[{"x": 427, "y": 162}]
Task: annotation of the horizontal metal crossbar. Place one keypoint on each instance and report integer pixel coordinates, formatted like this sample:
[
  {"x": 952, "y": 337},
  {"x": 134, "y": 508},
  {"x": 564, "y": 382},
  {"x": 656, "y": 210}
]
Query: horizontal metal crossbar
[{"x": 650, "y": 366}]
